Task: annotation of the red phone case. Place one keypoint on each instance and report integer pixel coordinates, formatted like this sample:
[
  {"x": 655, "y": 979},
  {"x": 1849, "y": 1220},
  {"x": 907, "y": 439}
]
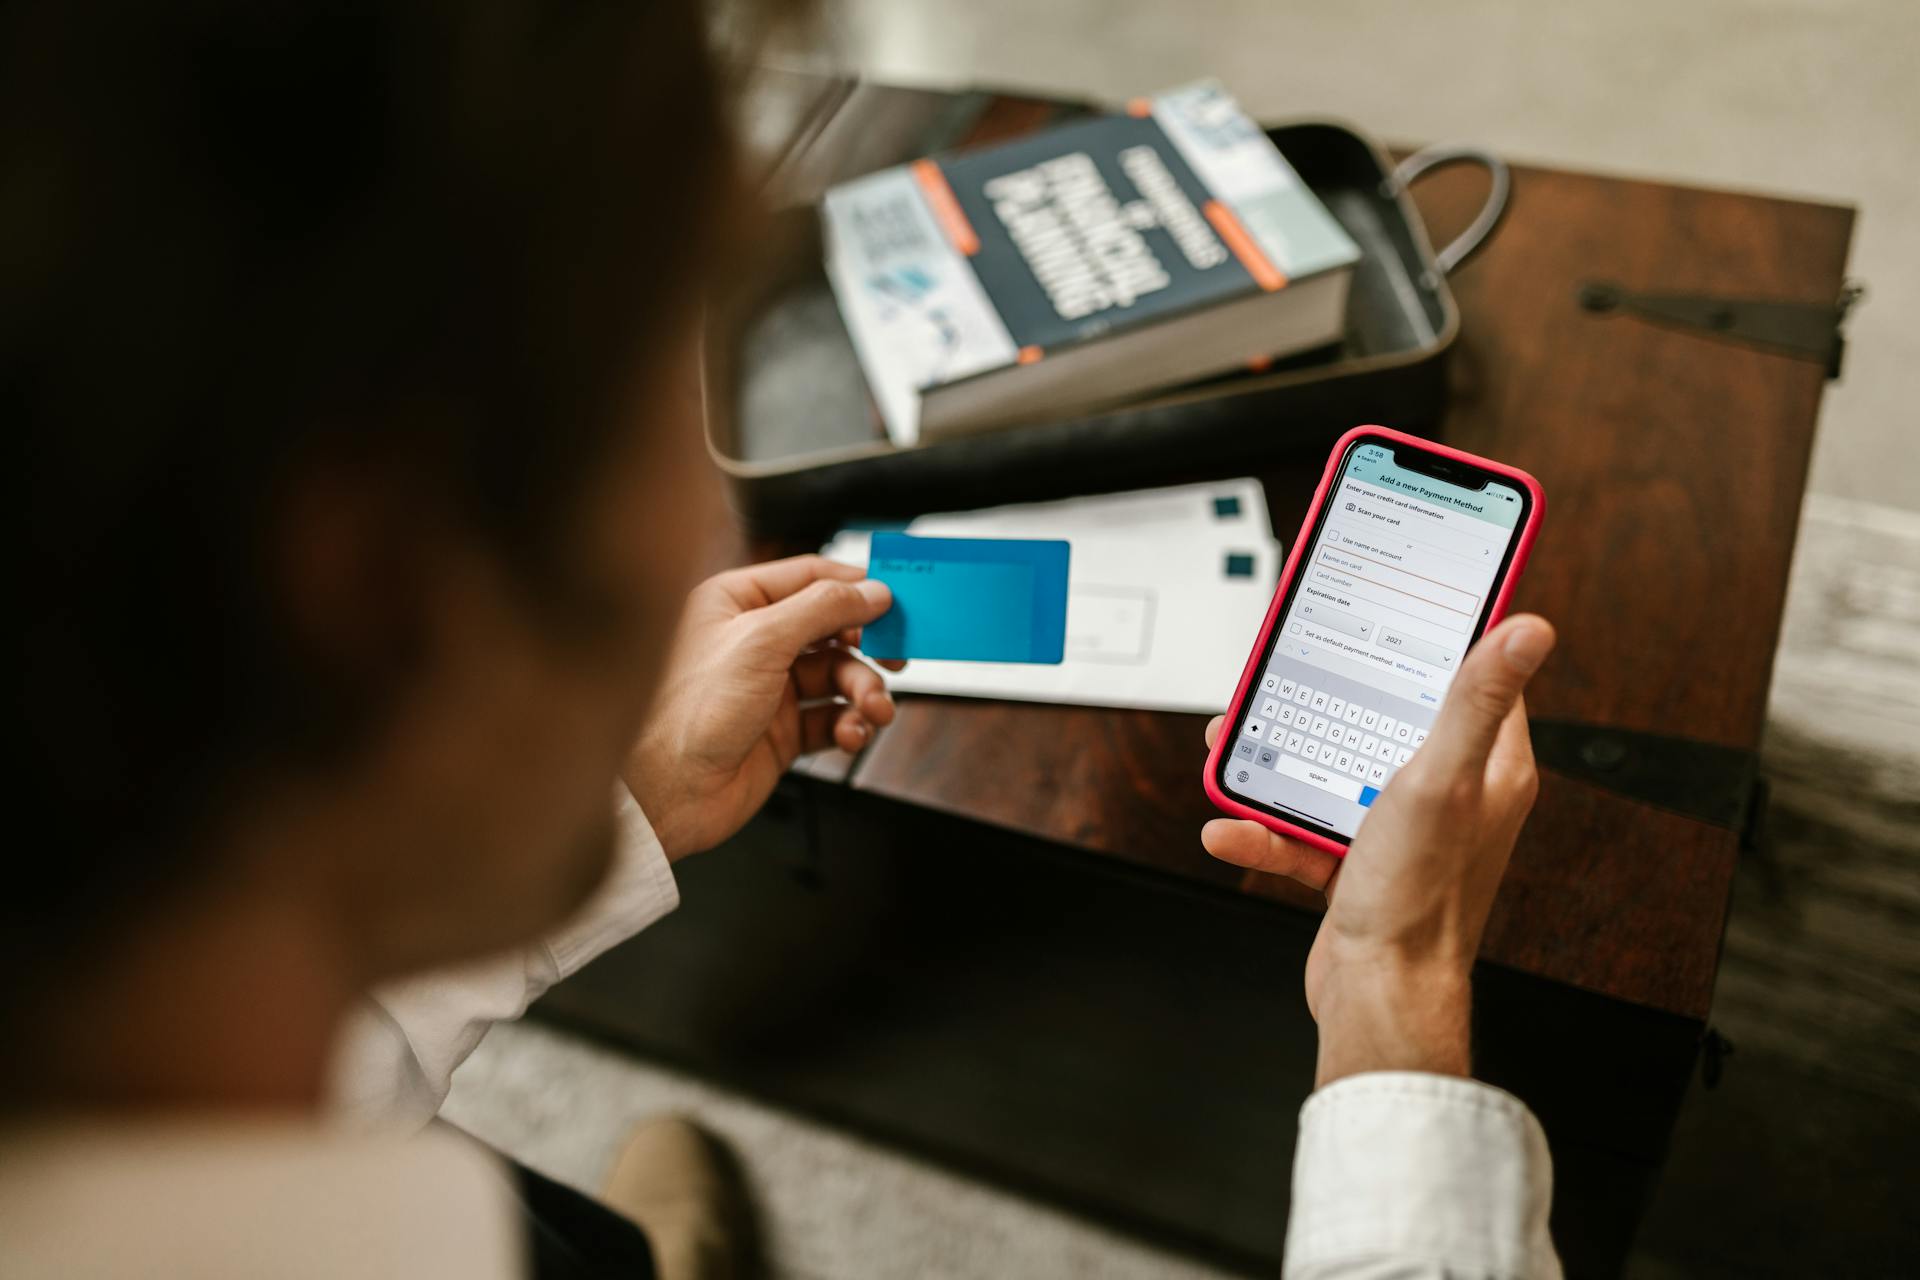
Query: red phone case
[{"x": 1236, "y": 709}]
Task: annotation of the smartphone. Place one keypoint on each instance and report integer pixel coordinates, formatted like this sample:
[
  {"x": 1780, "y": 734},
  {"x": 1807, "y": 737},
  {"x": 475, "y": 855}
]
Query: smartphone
[{"x": 1409, "y": 552}]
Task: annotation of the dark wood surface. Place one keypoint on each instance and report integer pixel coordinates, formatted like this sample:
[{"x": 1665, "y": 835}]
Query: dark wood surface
[
  {"x": 993, "y": 937},
  {"x": 1037, "y": 1015},
  {"x": 1674, "y": 467},
  {"x": 1107, "y": 1039}
]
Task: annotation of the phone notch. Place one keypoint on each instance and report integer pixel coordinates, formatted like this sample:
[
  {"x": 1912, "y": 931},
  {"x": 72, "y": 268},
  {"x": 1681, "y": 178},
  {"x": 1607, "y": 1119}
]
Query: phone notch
[{"x": 1453, "y": 472}]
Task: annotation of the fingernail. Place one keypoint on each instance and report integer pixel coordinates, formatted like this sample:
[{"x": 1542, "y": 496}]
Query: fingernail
[
  {"x": 860, "y": 732},
  {"x": 876, "y": 591},
  {"x": 1528, "y": 646}
]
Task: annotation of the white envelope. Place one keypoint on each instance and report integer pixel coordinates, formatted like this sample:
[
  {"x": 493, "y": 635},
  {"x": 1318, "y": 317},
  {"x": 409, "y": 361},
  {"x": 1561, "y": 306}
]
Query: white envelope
[
  {"x": 1233, "y": 509},
  {"x": 1166, "y": 589}
]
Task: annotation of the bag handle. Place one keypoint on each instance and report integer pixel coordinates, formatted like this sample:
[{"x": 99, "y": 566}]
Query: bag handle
[{"x": 1468, "y": 242}]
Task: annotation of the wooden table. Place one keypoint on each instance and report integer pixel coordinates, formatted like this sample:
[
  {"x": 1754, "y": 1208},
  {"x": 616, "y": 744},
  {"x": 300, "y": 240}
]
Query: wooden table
[
  {"x": 1674, "y": 466},
  {"x": 1674, "y": 469}
]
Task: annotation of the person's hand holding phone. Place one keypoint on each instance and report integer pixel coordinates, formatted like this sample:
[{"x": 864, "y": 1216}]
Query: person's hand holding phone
[{"x": 1387, "y": 979}]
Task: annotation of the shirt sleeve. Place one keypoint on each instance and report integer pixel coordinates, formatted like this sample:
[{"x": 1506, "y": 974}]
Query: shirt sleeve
[
  {"x": 395, "y": 1058},
  {"x": 1400, "y": 1175}
]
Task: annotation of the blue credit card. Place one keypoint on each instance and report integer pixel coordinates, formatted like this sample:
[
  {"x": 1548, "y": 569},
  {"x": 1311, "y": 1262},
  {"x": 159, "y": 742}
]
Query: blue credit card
[{"x": 979, "y": 599}]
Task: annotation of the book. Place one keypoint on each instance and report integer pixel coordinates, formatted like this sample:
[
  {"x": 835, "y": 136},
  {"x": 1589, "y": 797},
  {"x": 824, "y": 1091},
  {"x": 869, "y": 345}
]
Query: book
[{"x": 1081, "y": 265}]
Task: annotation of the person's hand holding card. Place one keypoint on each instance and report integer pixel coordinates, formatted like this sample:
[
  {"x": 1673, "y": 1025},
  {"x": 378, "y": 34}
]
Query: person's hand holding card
[
  {"x": 973, "y": 599},
  {"x": 764, "y": 670}
]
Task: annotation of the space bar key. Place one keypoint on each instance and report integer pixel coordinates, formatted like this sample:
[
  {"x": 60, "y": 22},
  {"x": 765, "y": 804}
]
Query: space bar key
[{"x": 1295, "y": 767}]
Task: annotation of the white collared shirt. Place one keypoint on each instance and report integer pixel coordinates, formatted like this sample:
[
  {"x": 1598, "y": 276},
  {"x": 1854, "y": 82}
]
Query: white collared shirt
[
  {"x": 1397, "y": 1176},
  {"x": 395, "y": 1058}
]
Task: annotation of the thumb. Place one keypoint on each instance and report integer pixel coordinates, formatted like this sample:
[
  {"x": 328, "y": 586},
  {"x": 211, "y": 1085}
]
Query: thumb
[
  {"x": 1489, "y": 683},
  {"x": 820, "y": 611}
]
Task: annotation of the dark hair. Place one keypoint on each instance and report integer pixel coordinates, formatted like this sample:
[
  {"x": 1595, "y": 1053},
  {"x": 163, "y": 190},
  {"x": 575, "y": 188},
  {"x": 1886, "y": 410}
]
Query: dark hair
[{"x": 240, "y": 236}]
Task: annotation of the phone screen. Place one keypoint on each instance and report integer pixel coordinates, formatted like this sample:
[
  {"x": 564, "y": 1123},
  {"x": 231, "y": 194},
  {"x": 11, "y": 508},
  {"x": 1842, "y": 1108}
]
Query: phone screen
[{"x": 1396, "y": 582}]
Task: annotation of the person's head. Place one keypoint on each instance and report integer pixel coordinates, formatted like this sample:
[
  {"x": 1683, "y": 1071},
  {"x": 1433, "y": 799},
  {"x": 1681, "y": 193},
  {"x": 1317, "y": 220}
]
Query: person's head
[{"x": 350, "y": 350}]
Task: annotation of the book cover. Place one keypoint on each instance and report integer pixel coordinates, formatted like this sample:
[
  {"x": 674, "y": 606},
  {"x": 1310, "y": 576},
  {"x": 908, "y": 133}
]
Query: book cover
[{"x": 960, "y": 265}]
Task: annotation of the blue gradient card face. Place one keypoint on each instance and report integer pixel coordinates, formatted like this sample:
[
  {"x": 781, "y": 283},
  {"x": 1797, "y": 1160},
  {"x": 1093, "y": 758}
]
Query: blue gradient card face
[{"x": 978, "y": 599}]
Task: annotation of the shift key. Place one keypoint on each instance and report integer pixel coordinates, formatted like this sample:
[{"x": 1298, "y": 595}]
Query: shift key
[{"x": 1325, "y": 779}]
